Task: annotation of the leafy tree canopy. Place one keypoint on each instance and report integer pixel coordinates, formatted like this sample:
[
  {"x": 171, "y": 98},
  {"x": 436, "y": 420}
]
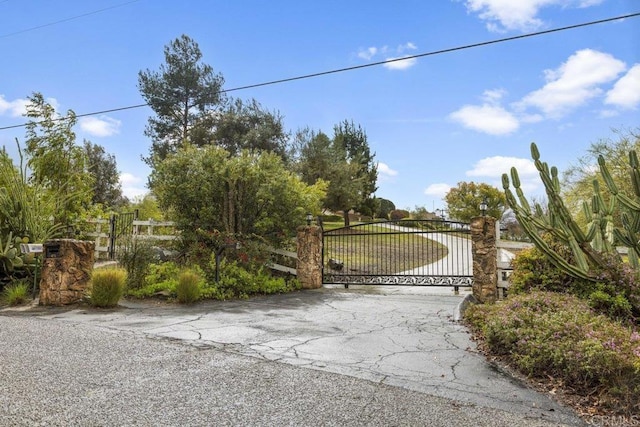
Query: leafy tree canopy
[
  {"x": 463, "y": 201},
  {"x": 56, "y": 162},
  {"x": 252, "y": 193},
  {"x": 345, "y": 161},
  {"x": 248, "y": 126},
  {"x": 107, "y": 190}
]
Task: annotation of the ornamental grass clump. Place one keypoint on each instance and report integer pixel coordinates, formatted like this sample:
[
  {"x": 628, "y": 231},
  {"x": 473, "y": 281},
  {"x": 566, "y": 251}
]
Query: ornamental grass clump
[
  {"x": 107, "y": 286},
  {"x": 16, "y": 293},
  {"x": 550, "y": 335},
  {"x": 188, "y": 287}
]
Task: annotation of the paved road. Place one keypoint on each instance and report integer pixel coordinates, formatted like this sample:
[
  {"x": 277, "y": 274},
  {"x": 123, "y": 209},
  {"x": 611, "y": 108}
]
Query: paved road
[
  {"x": 371, "y": 356},
  {"x": 457, "y": 262}
]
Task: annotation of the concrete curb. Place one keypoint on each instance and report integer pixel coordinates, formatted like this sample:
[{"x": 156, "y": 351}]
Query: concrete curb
[{"x": 458, "y": 312}]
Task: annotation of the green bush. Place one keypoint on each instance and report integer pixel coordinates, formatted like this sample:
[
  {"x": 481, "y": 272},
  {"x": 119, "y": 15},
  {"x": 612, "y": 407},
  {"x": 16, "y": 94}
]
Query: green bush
[
  {"x": 136, "y": 260},
  {"x": 241, "y": 281},
  {"x": 546, "y": 334},
  {"x": 160, "y": 277},
  {"x": 188, "y": 287},
  {"x": 615, "y": 294},
  {"x": 107, "y": 286},
  {"x": 16, "y": 293}
]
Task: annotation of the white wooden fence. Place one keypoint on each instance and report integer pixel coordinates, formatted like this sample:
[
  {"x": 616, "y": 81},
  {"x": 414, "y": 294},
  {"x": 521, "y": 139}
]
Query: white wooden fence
[{"x": 148, "y": 230}]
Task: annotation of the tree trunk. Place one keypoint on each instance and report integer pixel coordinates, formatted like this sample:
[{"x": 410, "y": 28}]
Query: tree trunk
[{"x": 345, "y": 215}]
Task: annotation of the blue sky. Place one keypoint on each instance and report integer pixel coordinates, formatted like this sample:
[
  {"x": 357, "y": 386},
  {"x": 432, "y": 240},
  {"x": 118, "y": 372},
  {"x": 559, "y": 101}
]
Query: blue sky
[{"x": 434, "y": 121}]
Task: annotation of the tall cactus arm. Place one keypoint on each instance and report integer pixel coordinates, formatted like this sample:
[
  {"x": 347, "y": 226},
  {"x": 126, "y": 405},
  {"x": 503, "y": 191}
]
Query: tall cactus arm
[
  {"x": 624, "y": 200},
  {"x": 532, "y": 226},
  {"x": 556, "y": 259}
]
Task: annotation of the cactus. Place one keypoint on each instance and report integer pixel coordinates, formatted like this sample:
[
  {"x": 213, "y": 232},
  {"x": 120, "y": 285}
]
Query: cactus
[
  {"x": 586, "y": 246},
  {"x": 629, "y": 236},
  {"x": 9, "y": 256}
]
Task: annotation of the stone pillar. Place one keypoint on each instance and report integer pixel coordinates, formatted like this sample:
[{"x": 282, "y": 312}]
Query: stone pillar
[
  {"x": 66, "y": 271},
  {"x": 485, "y": 259},
  {"x": 309, "y": 264}
]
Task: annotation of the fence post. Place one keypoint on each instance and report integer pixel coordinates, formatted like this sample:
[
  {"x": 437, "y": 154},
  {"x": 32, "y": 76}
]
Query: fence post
[
  {"x": 112, "y": 236},
  {"x": 485, "y": 258},
  {"x": 309, "y": 263}
]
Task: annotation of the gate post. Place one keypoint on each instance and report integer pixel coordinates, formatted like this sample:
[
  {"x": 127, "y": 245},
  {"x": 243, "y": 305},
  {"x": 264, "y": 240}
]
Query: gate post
[
  {"x": 485, "y": 253},
  {"x": 309, "y": 263}
]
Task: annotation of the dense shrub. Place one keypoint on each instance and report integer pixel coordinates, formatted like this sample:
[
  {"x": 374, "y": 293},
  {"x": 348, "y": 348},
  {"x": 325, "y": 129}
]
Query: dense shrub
[
  {"x": 546, "y": 334},
  {"x": 16, "y": 293},
  {"x": 188, "y": 287},
  {"x": 159, "y": 278},
  {"x": 398, "y": 214},
  {"x": 241, "y": 281},
  {"x": 107, "y": 286},
  {"x": 136, "y": 260},
  {"x": 615, "y": 293}
]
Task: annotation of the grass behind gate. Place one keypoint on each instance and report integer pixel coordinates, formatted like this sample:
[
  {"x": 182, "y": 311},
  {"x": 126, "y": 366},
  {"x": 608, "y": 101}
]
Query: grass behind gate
[{"x": 389, "y": 253}]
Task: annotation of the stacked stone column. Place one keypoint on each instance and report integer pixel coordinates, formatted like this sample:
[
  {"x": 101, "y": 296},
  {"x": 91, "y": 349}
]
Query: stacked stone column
[
  {"x": 485, "y": 259},
  {"x": 309, "y": 264}
]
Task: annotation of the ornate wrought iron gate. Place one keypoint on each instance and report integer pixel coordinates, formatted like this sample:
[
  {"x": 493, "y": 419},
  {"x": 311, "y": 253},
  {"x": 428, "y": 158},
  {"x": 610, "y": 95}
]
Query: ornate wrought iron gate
[{"x": 406, "y": 252}]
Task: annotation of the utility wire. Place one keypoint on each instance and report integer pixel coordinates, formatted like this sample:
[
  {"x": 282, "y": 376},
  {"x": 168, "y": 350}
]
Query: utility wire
[
  {"x": 373, "y": 64},
  {"x": 2, "y": 36}
]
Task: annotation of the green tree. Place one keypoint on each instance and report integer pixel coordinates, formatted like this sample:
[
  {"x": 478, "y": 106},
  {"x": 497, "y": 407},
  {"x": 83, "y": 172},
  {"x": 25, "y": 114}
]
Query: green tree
[
  {"x": 56, "y": 162},
  {"x": 345, "y": 162},
  {"x": 463, "y": 201},
  {"x": 107, "y": 189},
  {"x": 578, "y": 178},
  {"x": 248, "y": 126},
  {"x": 384, "y": 207},
  {"x": 316, "y": 156},
  {"x": 352, "y": 140},
  {"x": 184, "y": 95},
  {"x": 148, "y": 208},
  {"x": 252, "y": 193}
]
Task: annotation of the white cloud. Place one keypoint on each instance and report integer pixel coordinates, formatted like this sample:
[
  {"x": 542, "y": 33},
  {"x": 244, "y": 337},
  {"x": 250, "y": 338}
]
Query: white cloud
[
  {"x": 385, "y": 170},
  {"x": 438, "y": 190},
  {"x": 497, "y": 165},
  {"x": 521, "y": 15},
  {"x": 400, "y": 64},
  {"x": 368, "y": 53},
  {"x": 100, "y": 126},
  {"x": 15, "y": 108},
  {"x": 395, "y": 57},
  {"x": 574, "y": 83},
  {"x": 132, "y": 186},
  {"x": 487, "y": 118},
  {"x": 626, "y": 92},
  {"x": 492, "y": 168}
]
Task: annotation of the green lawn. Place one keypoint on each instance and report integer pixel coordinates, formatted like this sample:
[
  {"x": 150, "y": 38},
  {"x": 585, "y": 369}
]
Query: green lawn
[{"x": 388, "y": 253}]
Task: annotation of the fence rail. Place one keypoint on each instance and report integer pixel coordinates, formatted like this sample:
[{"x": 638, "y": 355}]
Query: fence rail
[
  {"x": 280, "y": 267},
  {"x": 144, "y": 230}
]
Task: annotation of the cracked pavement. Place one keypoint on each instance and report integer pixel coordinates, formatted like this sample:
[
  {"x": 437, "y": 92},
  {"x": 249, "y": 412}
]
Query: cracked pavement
[{"x": 401, "y": 337}]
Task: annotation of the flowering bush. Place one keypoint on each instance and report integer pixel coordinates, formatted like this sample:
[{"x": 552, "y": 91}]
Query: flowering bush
[
  {"x": 615, "y": 292},
  {"x": 546, "y": 334}
]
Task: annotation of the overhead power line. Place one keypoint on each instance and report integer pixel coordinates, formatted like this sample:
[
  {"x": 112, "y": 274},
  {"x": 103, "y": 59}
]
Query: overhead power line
[
  {"x": 374, "y": 64},
  {"x": 66, "y": 19}
]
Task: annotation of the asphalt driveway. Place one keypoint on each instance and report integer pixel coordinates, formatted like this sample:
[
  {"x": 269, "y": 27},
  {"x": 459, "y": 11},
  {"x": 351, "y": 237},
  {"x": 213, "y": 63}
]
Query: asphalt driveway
[{"x": 362, "y": 356}]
